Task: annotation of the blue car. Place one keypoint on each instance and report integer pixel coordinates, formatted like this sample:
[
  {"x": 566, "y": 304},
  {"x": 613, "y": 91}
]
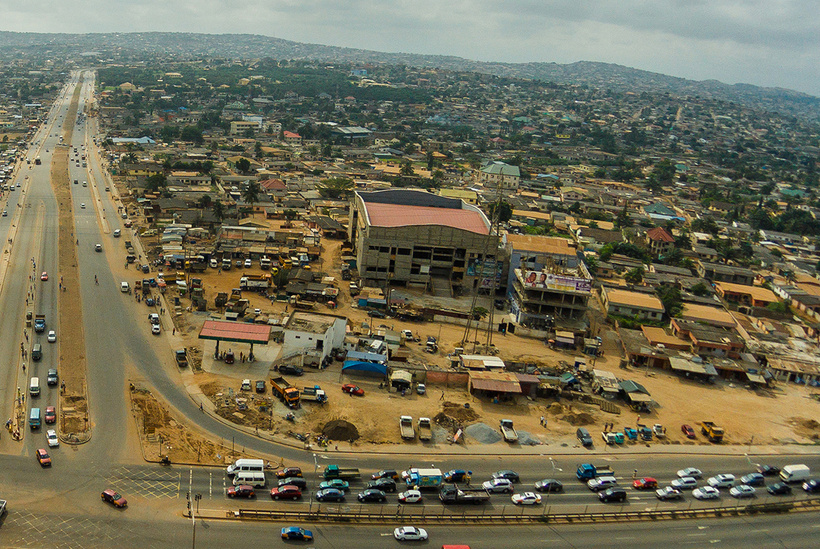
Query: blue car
[
  {"x": 457, "y": 475},
  {"x": 330, "y": 494},
  {"x": 296, "y": 533},
  {"x": 337, "y": 483}
]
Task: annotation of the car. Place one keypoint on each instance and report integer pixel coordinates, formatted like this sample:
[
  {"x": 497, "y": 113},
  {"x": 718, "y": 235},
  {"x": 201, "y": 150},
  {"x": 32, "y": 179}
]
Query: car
[
  {"x": 779, "y": 489},
  {"x": 687, "y": 430},
  {"x": 768, "y": 470},
  {"x": 512, "y": 476},
  {"x": 52, "y": 336},
  {"x": 457, "y": 475},
  {"x": 289, "y": 472},
  {"x": 724, "y": 480},
  {"x": 668, "y": 493},
  {"x": 293, "y": 481},
  {"x": 291, "y": 370},
  {"x": 155, "y": 329},
  {"x": 812, "y": 486},
  {"x": 114, "y": 498},
  {"x": 337, "y": 483},
  {"x": 527, "y": 498},
  {"x": 43, "y": 457},
  {"x": 330, "y": 494},
  {"x": 44, "y": 276},
  {"x": 288, "y": 491},
  {"x": 5, "y": 213},
  {"x": 352, "y": 389},
  {"x": 260, "y": 386},
  {"x": 645, "y": 483},
  {"x": 82, "y": 206},
  {"x": 501, "y": 485},
  {"x": 386, "y": 473},
  {"x": 245, "y": 385},
  {"x": 153, "y": 318},
  {"x": 601, "y": 483},
  {"x": 410, "y": 533},
  {"x": 52, "y": 438},
  {"x": 684, "y": 483},
  {"x": 753, "y": 479},
  {"x": 612, "y": 495},
  {"x": 371, "y": 494},
  {"x": 50, "y": 415},
  {"x": 410, "y": 496},
  {"x": 213, "y": 263},
  {"x": 241, "y": 491},
  {"x": 742, "y": 491},
  {"x": 296, "y": 533},
  {"x": 383, "y": 484},
  {"x": 97, "y": 247},
  {"x": 706, "y": 492},
  {"x": 549, "y": 485},
  {"x": 248, "y": 263},
  {"x": 376, "y": 314},
  {"x": 690, "y": 472}
]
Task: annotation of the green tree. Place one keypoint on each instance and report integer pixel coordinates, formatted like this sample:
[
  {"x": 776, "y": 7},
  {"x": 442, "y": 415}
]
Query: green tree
[
  {"x": 335, "y": 187},
  {"x": 205, "y": 201},
  {"x": 671, "y": 299},
  {"x": 243, "y": 165},
  {"x": 700, "y": 289},
  {"x": 501, "y": 208},
  {"x": 623, "y": 220},
  {"x": 156, "y": 181},
  {"x": 251, "y": 193},
  {"x": 192, "y": 134},
  {"x": 634, "y": 276},
  {"x": 664, "y": 171},
  {"x": 218, "y": 210}
]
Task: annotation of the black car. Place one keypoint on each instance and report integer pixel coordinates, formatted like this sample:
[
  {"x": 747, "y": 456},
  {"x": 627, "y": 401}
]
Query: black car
[
  {"x": 260, "y": 386},
  {"x": 768, "y": 470},
  {"x": 372, "y": 495},
  {"x": 330, "y": 494},
  {"x": 294, "y": 481},
  {"x": 376, "y": 314},
  {"x": 52, "y": 377},
  {"x": 383, "y": 484},
  {"x": 779, "y": 489},
  {"x": 385, "y": 473},
  {"x": 612, "y": 494},
  {"x": 812, "y": 486},
  {"x": 512, "y": 476},
  {"x": 291, "y": 370},
  {"x": 549, "y": 485}
]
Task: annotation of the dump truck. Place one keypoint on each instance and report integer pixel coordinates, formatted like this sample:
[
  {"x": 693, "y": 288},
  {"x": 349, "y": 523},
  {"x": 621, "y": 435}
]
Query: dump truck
[
  {"x": 425, "y": 428},
  {"x": 711, "y": 431},
  {"x": 286, "y": 392},
  {"x": 264, "y": 263},
  {"x": 508, "y": 431},
  {"x": 255, "y": 282},
  {"x": 182, "y": 358},
  {"x": 314, "y": 394},
  {"x": 421, "y": 479},
  {"x": 587, "y": 471},
  {"x": 334, "y": 471},
  {"x": 406, "y": 426},
  {"x": 39, "y": 323},
  {"x": 221, "y": 299},
  {"x": 454, "y": 494}
]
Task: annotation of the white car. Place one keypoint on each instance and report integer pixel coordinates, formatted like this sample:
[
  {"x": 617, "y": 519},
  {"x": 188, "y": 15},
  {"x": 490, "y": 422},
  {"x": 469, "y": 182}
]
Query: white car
[
  {"x": 707, "y": 492},
  {"x": 51, "y": 437},
  {"x": 722, "y": 481},
  {"x": 685, "y": 483},
  {"x": 82, "y": 206},
  {"x": 410, "y": 533},
  {"x": 410, "y": 496},
  {"x": 527, "y": 498},
  {"x": 52, "y": 336},
  {"x": 690, "y": 472},
  {"x": 155, "y": 329},
  {"x": 5, "y": 213},
  {"x": 248, "y": 264},
  {"x": 498, "y": 485},
  {"x": 742, "y": 491}
]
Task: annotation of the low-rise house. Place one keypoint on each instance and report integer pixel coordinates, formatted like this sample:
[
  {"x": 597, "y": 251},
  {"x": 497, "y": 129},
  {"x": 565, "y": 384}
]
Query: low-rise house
[{"x": 632, "y": 304}]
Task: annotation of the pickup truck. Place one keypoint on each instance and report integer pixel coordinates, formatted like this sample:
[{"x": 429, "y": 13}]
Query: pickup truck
[
  {"x": 659, "y": 431},
  {"x": 454, "y": 494},
  {"x": 645, "y": 433},
  {"x": 508, "y": 431},
  {"x": 406, "y": 426},
  {"x": 587, "y": 471},
  {"x": 314, "y": 394},
  {"x": 39, "y": 323},
  {"x": 631, "y": 433},
  {"x": 334, "y": 471},
  {"x": 425, "y": 428},
  {"x": 182, "y": 358}
]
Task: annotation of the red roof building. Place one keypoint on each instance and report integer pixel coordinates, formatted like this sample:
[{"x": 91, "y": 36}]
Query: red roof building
[{"x": 659, "y": 240}]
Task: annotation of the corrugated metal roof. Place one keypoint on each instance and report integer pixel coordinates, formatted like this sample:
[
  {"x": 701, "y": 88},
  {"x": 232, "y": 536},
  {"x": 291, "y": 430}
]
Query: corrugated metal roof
[
  {"x": 240, "y": 332},
  {"x": 399, "y": 215}
]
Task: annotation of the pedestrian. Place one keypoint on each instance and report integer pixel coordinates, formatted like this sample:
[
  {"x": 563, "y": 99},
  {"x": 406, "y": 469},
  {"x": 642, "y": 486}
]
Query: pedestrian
[
  {"x": 200, "y": 407},
  {"x": 542, "y": 421},
  {"x": 173, "y": 331},
  {"x": 634, "y": 474}
]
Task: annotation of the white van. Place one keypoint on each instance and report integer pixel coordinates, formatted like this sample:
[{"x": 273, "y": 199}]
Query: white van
[
  {"x": 795, "y": 473},
  {"x": 34, "y": 387},
  {"x": 246, "y": 465},
  {"x": 254, "y": 478},
  {"x": 124, "y": 287}
]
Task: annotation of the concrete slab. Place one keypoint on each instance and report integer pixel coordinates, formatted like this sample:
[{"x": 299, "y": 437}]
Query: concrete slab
[{"x": 258, "y": 369}]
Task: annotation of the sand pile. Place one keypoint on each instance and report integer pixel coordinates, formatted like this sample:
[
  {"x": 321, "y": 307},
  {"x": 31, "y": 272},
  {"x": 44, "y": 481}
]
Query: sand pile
[{"x": 339, "y": 429}]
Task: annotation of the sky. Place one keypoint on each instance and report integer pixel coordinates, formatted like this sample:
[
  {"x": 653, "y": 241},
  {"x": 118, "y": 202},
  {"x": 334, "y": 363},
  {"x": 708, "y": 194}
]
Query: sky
[{"x": 764, "y": 42}]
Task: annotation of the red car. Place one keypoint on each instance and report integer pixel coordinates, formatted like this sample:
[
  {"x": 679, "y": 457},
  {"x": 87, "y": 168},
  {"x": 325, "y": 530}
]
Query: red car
[
  {"x": 644, "y": 483},
  {"x": 288, "y": 491},
  {"x": 289, "y": 472},
  {"x": 112, "y": 497},
  {"x": 352, "y": 389},
  {"x": 43, "y": 457},
  {"x": 51, "y": 414},
  {"x": 241, "y": 491},
  {"x": 44, "y": 276},
  {"x": 687, "y": 430}
]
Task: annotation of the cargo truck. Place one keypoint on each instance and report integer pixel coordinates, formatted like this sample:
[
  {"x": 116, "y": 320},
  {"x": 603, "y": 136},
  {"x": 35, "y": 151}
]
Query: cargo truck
[
  {"x": 286, "y": 392},
  {"x": 334, "y": 471},
  {"x": 39, "y": 323},
  {"x": 711, "y": 431},
  {"x": 508, "y": 430},
  {"x": 425, "y": 428},
  {"x": 454, "y": 494},
  {"x": 587, "y": 471},
  {"x": 314, "y": 394},
  {"x": 421, "y": 479},
  {"x": 406, "y": 426},
  {"x": 255, "y": 282}
]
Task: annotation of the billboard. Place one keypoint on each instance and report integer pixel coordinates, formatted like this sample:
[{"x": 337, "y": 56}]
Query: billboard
[
  {"x": 561, "y": 283},
  {"x": 484, "y": 269}
]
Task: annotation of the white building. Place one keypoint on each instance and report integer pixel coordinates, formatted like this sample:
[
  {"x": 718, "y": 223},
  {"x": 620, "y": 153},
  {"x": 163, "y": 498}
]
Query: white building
[{"x": 315, "y": 334}]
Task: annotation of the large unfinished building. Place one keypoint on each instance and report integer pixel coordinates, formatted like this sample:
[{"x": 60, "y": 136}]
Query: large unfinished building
[{"x": 407, "y": 237}]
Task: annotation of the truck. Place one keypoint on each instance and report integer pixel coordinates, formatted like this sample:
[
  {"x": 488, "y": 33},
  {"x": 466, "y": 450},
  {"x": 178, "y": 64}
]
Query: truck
[
  {"x": 255, "y": 282},
  {"x": 425, "y": 428},
  {"x": 37, "y": 161},
  {"x": 264, "y": 263},
  {"x": 659, "y": 430},
  {"x": 455, "y": 494},
  {"x": 344, "y": 473},
  {"x": 286, "y": 392},
  {"x": 795, "y": 473},
  {"x": 314, "y": 394},
  {"x": 181, "y": 357},
  {"x": 406, "y": 427},
  {"x": 508, "y": 431},
  {"x": 711, "y": 431},
  {"x": 39, "y": 323},
  {"x": 587, "y": 471},
  {"x": 421, "y": 479}
]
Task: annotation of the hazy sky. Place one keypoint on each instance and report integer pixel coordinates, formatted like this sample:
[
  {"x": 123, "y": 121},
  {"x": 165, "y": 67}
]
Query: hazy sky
[{"x": 764, "y": 42}]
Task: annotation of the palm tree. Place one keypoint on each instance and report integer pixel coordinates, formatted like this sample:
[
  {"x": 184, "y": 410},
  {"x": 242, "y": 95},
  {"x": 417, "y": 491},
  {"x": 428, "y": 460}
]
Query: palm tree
[
  {"x": 251, "y": 193},
  {"x": 218, "y": 210}
]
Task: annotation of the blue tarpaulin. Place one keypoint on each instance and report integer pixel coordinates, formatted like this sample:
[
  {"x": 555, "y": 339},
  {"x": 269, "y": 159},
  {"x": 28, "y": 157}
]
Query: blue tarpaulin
[{"x": 370, "y": 367}]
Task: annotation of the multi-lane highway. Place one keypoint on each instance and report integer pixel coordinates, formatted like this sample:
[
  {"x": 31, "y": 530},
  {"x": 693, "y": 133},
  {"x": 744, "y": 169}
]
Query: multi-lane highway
[{"x": 60, "y": 506}]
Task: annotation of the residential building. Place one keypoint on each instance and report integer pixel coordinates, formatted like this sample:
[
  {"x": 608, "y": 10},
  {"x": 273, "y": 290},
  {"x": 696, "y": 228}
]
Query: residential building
[
  {"x": 549, "y": 296},
  {"x": 718, "y": 272},
  {"x": 659, "y": 240},
  {"x": 315, "y": 334},
  {"x": 756, "y": 296},
  {"x": 499, "y": 175},
  {"x": 632, "y": 304}
]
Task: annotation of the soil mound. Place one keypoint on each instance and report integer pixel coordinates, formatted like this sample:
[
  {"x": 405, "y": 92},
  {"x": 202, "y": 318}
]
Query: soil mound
[
  {"x": 579, "y": 419},
  {"x": 339, "y": 429},
  {"x": 458, "y": 412}
]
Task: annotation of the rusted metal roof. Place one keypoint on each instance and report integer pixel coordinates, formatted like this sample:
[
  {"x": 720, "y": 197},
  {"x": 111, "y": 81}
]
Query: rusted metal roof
[
  {"x": 400, "y": 215},
  {"x": 240, "y": 332}
]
